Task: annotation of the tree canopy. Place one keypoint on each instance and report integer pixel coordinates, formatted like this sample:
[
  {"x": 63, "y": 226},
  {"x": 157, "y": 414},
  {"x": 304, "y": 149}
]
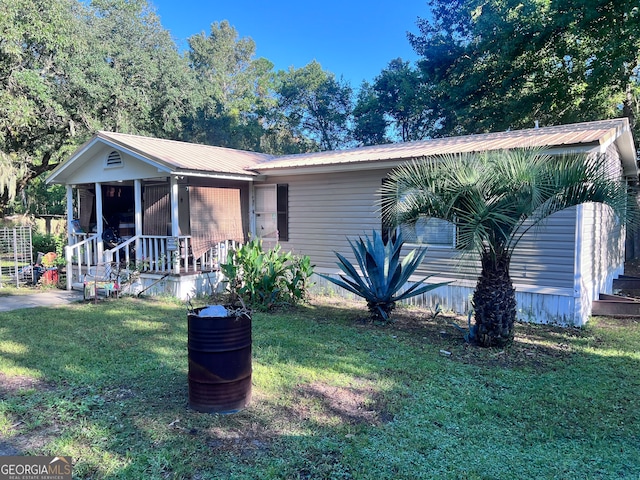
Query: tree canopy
[
  {"x": 497, "y": 64},
  {"x": 71, "y": 67},
  {"x": 316, "y": 105},
  {"x": 397, "y": 107},
  {"x": 68, "y": 69},
  {"x": 232, "y": 89}
]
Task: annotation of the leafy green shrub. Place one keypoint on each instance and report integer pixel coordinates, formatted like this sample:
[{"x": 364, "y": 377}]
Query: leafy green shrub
[
  {"x": 382, "y": 274},
  {"x": 46, "y": 242},
  {"x": 265, "y": 279}
]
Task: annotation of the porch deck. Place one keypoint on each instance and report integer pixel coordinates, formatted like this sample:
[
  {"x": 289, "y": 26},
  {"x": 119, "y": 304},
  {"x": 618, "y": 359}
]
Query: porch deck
[{"x": 144, "y": 260}]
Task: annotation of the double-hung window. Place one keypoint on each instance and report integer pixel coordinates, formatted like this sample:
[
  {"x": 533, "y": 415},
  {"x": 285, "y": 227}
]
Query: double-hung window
[
  {"x": 427, "y": 231},
  {"x": 430, "y": 231}
]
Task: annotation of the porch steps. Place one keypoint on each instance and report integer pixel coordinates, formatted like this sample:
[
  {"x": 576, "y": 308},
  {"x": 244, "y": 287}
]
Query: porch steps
[
  {"x": 620, "y": 305},
  {"x": 626, "y": 282}
]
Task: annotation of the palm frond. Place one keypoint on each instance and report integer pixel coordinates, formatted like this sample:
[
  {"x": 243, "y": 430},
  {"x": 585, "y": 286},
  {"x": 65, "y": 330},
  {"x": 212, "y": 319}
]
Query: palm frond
[{"x": 495, "y": 197}]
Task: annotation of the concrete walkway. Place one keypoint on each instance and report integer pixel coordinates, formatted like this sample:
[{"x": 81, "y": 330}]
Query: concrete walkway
[{"x": 38, "y": 298}]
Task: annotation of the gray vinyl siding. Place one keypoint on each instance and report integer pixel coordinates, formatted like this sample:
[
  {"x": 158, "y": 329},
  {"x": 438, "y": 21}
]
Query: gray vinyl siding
[
  {"x": 326, "y": 209},
  {"x": 546, "y": 255},
  {"x": 602, "y": 239}
]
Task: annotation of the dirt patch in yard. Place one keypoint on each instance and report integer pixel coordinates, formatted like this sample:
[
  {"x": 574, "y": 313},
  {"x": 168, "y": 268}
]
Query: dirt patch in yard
[
  {"x": 18, "y": 443},
  {"x": 328, "y": 404},
  {"x": 11, "y": 385},
  {"x": 533, "y": 344}
]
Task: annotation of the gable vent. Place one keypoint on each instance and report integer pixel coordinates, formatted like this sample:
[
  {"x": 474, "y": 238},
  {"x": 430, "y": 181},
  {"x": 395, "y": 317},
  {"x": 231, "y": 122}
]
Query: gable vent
[{"x": 114, "y": 159}]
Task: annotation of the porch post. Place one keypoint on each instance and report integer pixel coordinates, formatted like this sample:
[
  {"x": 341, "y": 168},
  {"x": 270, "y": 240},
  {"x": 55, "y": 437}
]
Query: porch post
[
  {"x": 137, "y": 202},
  {"x": 67, "y": 249},
  {"x": 175, "y": 221},
  {"x": 99, "y": 222},
  {"x": 69, "y": 214}
]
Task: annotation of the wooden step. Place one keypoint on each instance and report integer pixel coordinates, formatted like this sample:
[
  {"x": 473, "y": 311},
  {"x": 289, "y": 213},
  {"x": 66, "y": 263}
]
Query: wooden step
[
  {"x": 625, "y": 282},
  {"x": 617, "y": 298},
  {"x": 615, "y": 305}
]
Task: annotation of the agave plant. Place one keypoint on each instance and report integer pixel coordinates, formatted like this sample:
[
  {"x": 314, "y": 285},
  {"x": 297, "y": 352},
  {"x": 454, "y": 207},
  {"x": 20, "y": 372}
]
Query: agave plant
[{"x": 381, "y": 274}]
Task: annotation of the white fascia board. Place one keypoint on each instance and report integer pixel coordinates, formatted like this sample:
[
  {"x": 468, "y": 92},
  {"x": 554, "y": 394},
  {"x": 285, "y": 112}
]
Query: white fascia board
[
  {"x": 628, "y": 154},
  {"x": 65, "y": 164},
  {"x": 331, "y": 168},
  {"x": 219, "y": 176}
]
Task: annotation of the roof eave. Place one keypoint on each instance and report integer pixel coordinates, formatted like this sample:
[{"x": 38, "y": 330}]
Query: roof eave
[
  {"x": 628, "y": 154},
  {"x": 248, "y": 177},
  {"x": 331, "y": 167}
]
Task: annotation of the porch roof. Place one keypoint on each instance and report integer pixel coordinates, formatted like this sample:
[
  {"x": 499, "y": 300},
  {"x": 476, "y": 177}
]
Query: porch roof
[
  {"x": 169, "y": 156},
  {"x": 578, "y": 136},
  {"x": 188, "y": 156}
]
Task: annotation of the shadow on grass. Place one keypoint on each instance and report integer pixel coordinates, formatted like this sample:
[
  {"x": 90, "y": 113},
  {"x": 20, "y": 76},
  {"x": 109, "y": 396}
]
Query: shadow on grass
[
  {"x": 332, "y": 395},
  {"x": 114, "y": 375}
]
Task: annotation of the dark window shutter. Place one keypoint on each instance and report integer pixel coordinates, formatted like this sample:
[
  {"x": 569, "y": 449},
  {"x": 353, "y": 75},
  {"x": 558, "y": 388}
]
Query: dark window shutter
[
  {"x": 283, "y": 212},
  {"x": 385, "y": 229}
]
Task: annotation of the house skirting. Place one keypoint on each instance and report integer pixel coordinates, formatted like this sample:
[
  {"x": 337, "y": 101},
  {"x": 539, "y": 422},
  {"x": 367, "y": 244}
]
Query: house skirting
[
  {"x": 545, "y": 305},
  {"x": 182, "y": 287}
]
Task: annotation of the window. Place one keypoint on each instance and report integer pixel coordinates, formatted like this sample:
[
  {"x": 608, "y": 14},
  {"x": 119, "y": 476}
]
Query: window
[
  {"x": 426, "y": 231},
  {"x": 113, "y": 160},
  {"x": 272, "y": 212},
  {"x": 430, "y": 231}
]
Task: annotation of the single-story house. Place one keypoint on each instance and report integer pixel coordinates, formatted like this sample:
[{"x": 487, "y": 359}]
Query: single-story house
[{"x": 173, "y": 208}]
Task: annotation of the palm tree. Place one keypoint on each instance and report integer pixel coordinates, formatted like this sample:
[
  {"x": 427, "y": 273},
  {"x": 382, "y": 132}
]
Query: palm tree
[{"x": 494, "y": 198}]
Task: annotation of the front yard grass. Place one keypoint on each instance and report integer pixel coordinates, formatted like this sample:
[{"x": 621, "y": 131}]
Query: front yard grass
[{"x": 333, "y": 397}]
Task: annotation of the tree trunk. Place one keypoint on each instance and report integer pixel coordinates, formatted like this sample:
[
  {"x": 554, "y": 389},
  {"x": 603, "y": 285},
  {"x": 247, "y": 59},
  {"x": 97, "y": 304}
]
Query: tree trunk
[{"x": 494, "y": 302}]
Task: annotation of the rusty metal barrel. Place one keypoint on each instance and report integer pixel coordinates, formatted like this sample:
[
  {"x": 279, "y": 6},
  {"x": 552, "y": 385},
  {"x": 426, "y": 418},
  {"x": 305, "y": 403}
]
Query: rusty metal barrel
[{"x": 219, "y": 350}]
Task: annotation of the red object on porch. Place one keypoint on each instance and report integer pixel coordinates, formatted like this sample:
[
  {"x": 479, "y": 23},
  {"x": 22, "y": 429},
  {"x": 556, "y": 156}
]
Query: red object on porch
[{"x": 50, "y": 276}]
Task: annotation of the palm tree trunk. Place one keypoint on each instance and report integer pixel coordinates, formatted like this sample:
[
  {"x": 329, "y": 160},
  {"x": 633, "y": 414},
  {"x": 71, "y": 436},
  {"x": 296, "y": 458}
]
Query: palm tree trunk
[{"x": 494, "y": 302}]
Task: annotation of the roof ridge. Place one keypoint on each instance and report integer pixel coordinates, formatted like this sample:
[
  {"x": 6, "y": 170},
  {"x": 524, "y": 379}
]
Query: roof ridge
[
  {"x": 551, "y": 136},
  {"x": 104, "y": 133}
]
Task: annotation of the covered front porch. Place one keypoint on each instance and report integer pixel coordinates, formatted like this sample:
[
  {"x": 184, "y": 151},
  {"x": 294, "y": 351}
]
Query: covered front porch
[
  {"x": 145, "y": 233},
  {"x": 162, "y": 215}
]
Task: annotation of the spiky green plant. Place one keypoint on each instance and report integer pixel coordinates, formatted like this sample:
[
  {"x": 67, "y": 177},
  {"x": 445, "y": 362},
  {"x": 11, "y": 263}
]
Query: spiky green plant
[{"x": 382, "y": 274}]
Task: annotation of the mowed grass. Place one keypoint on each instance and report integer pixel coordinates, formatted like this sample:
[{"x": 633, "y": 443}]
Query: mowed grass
[{"x": 333, "y": 397}]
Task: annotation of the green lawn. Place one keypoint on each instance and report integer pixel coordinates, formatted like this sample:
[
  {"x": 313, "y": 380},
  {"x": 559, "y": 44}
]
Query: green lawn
[{"x": 333, "y": 397}]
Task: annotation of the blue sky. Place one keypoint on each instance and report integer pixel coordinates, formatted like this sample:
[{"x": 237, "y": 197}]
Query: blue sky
[{"x": 355, "y": 39}]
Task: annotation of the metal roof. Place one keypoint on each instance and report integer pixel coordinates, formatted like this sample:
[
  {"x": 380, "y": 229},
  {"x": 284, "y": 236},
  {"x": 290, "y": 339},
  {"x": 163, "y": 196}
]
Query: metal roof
[
  {"x": 188, "y": 156},
  {"x": 574, "y": 135},
  {"x": 195, "y": 159}
]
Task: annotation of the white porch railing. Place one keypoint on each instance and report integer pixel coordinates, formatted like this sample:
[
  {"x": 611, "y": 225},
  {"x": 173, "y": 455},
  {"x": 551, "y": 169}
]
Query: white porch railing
[
  {"x": 163, "y": 254},
  {"x": 80, "y": 257},
  {"x": 145, "y": 253}
]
